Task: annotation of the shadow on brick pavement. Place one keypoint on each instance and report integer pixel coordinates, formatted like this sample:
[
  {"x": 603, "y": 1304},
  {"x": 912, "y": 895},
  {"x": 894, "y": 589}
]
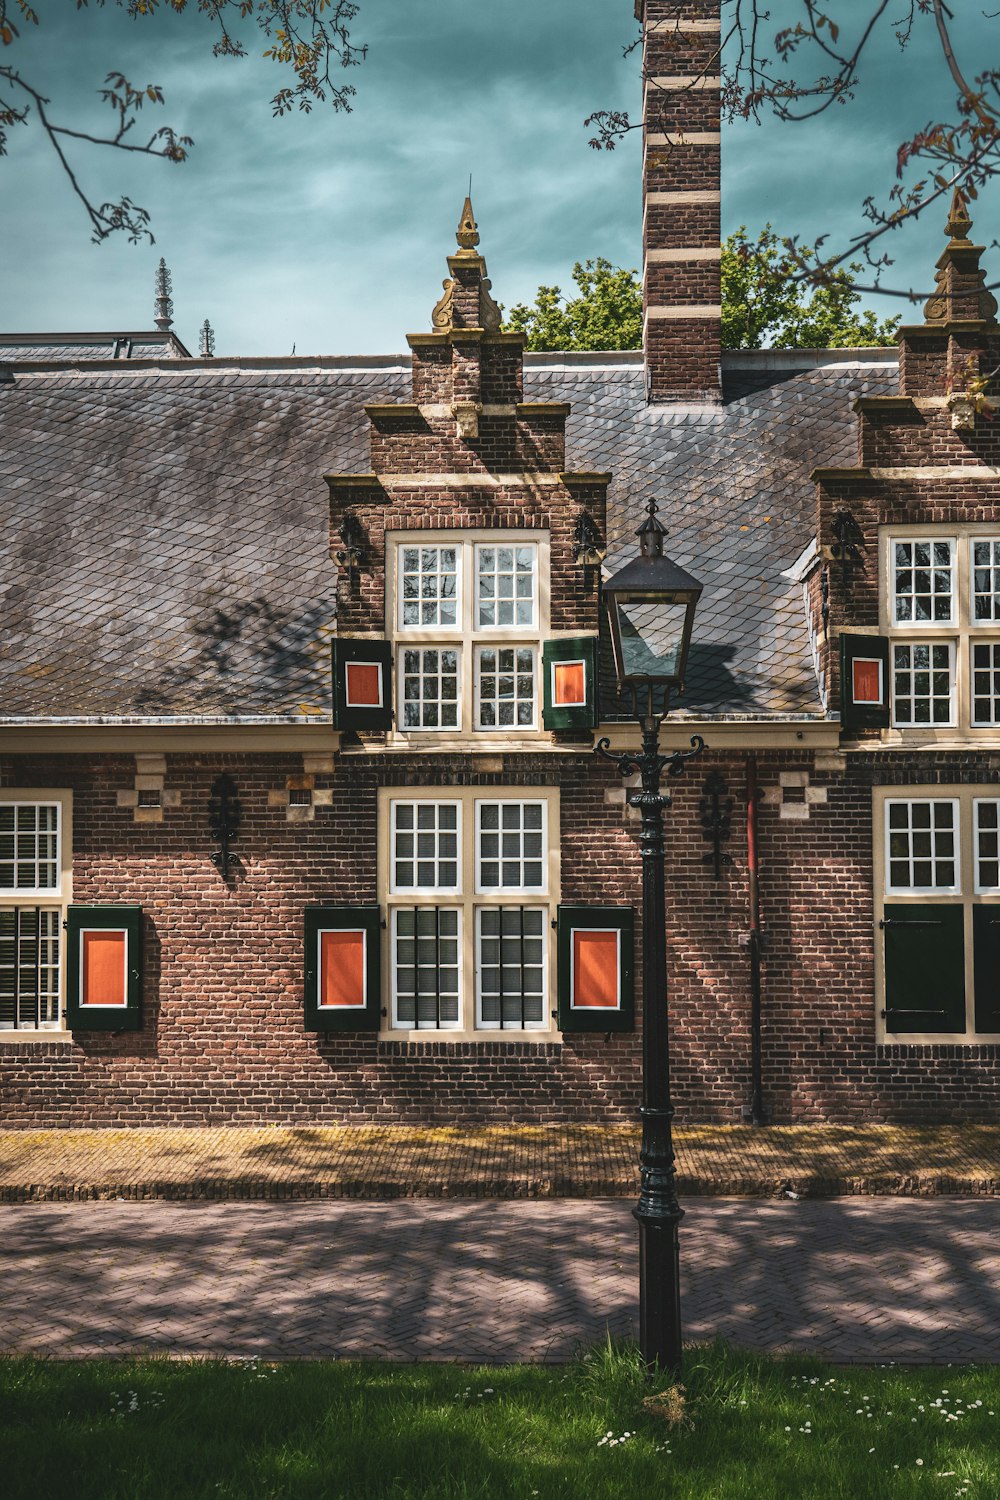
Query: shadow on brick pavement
[{"x": 848, "y": 1279}]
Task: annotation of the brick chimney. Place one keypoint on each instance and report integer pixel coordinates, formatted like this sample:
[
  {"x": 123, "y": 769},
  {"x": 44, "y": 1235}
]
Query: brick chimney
[{"x": 681, "y": 191}]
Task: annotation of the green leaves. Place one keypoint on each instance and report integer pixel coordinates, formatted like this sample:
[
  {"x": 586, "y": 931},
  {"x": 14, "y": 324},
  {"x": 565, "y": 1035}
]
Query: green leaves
[
  {"x": 768, "y": 300},
  {"x": 606, "y": 313}
]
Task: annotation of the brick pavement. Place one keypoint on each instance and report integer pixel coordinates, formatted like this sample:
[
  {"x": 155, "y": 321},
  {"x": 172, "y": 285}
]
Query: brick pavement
[
  {"x": 848, "y": 1279},
  {"x": 512, "y": 1162}
]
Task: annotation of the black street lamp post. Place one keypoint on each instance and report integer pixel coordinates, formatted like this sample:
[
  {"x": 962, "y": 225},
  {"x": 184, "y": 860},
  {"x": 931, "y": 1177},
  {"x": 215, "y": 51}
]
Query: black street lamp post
[{"x": 651, "y": 604}]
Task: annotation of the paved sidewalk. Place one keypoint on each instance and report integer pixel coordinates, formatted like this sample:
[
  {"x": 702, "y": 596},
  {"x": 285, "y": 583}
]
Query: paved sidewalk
[
  {"x": 849, "y": 1280},
  {"x": 555, "y": 1161}
]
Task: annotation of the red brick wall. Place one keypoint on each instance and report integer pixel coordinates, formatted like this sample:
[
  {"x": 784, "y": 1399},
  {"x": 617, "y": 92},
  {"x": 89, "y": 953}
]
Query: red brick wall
[{"x": 223, "y": 1039}]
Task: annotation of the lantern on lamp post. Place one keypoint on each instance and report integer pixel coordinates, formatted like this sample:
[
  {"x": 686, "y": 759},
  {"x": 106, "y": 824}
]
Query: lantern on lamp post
[{"x": 651, "y": 603}]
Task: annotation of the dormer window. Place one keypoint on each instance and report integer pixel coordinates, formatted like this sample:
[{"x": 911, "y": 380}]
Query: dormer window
[
  {"x": 468, "y": 616},
  {"x": 935, "y": 667}
]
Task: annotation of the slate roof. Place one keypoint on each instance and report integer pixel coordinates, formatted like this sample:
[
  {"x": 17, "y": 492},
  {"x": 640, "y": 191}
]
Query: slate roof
[
  {"x": 164, "y": 528},
  {"x": 38, "y": 347}
]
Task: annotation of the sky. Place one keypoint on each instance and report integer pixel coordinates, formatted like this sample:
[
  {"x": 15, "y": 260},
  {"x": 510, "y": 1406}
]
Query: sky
[{"x": 328, "y": 233}]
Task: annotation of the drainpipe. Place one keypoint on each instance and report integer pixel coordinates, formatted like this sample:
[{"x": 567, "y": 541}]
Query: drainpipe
[{"x": 756, "y": 1101}]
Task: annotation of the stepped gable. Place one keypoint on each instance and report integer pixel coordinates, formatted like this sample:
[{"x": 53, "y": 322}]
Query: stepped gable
[
  {"x": 929, "y": 452},
  {"x": 467, "y": 451}
]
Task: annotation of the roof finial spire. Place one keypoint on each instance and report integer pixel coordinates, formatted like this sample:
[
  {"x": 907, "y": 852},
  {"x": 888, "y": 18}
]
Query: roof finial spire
[
  {"x": 467, "y": 233},
  {"x": 164, "y": 305},
  {"x": 206, "y": 347},
  {"x": 959, "y": 219}
]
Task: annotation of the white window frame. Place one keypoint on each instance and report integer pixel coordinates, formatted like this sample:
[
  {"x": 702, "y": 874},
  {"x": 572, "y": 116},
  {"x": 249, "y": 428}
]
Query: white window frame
[
  {"x": 965, "y": 894},
  {"x": 954, "y": 567},
  {"x": 979, "y": 889},
  {"x": 55, "y": 898},
  {"x": 526, "y": 539},
  {"x": 465, "y": 637},
  {"x": 402, "y": 800},
  {"x": 468, "y": 900},
  {"x": 926, "y": 645},
  {"x": 511, "y": 890},
  {"x": 960, "y": 634},
  {"x": 955, "y": 889},
  {"x": 497, "y": 1028}
]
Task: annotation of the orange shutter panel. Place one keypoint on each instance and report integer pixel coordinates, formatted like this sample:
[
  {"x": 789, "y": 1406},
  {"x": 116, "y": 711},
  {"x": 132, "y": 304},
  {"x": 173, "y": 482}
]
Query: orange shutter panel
[
  {"x": 364, "y": 684},
  {"x": 342, "y": 968},
  {"x": 570, "y": 684},
  {"x": 104, "y": 957},
  {"x": 595, "y": 968},
  {"x": 867, "y": 680}
]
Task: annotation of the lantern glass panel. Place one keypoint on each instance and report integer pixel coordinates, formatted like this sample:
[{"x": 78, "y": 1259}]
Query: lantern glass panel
[{"x": 652, "y": 639}]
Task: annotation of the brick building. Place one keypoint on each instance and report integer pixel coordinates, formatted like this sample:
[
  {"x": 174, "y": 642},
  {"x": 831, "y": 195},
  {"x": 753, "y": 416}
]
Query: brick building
[{"x": 303, "y": 668}]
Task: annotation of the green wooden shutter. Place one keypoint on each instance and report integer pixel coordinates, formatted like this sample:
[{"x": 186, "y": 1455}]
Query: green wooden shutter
[
  {"x": 924, "y": 948},
  {"x": 373, "y": 687},
  {"x": 595, "y": 951},
  {"x": 343, "y": 968},
  {"x": 986, "y": 964},
  {"x": 562, "y": 654},
  {"x": 104, "y": 968},
  {"x": 864, "y": 681}
]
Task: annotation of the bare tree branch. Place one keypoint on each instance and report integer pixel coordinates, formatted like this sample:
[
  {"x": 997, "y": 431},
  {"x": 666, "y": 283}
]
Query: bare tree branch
[
  {"x": 814, "y": 68},
  {"x": 308, "y": 38}
]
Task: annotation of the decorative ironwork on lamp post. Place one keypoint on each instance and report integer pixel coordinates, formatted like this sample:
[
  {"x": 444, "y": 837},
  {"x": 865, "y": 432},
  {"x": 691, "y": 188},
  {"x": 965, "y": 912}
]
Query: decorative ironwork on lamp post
[{"x": 651, "y": 604}]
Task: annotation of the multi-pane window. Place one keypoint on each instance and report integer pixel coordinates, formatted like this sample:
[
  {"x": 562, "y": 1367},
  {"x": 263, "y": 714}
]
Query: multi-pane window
[
  {"x": 985, "y": 579},
  {"x": 428, "y": 586},
  {"x": 506, "y": 687},
  {"x": 511, "y": 846},
  {"x": 923, "y": 581},
  {"x": 942, "y": 600},
  {"x": 922, "y": 683},
  {"x": 430, "y": 687},
  {"x": 986, "y": 682},
  {"x": 922, "y": 846},
  {"x": 471, "y": 896},
  {"x": 510, "y": 945},
  {"x": 425, "y": 846},
  {"x": 937, "y": 913},
  {"x": 426, "y": 968},
  {"x": 505, "y": 586},
  {"x": 468, "y": 618},
  {"x": 31, "y": 913},
  {"x": 29, "y": 847}
]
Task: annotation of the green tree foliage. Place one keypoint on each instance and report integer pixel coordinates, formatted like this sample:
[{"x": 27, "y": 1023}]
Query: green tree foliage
[
  {"x": 764, "y": 305},
  {"x": 605, "y": 314}
]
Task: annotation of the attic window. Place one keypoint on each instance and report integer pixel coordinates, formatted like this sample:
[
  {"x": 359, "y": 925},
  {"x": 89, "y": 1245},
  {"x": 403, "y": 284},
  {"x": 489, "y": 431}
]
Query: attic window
[
  {"x": 149, "y": 798},
  {"x": 300, "y": 796}
]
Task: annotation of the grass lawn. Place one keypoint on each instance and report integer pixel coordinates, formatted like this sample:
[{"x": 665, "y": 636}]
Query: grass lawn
[{"x": 155, "y": 1429}]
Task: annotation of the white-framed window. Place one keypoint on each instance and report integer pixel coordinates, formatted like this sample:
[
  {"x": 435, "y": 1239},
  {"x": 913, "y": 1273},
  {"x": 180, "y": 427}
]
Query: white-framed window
[
  {"x": 506, "y": 585},
  {"x": 939, "y": 603},
  {"x": 510, "y": 846},
  {"x": 984, "y": 565},
  {"x": 986, "y": 831},
  {"x": 937, "y": 913},
  {"x": 505, "y": 687},
  {"x": 429, "y": 583},
  {"x": 470, "y": 879},
  {"x": 426, "y": 846},
  {"x": 922, "y": 850},
  {"x": 429, "y": 687},
  {"x": 467, "y": 612},
  {"x": 985, "y": 682},
  {"x": 923, "y": 581},
  {"x": 34, "y": 893},
  {"x": 923, "y": 684}
]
